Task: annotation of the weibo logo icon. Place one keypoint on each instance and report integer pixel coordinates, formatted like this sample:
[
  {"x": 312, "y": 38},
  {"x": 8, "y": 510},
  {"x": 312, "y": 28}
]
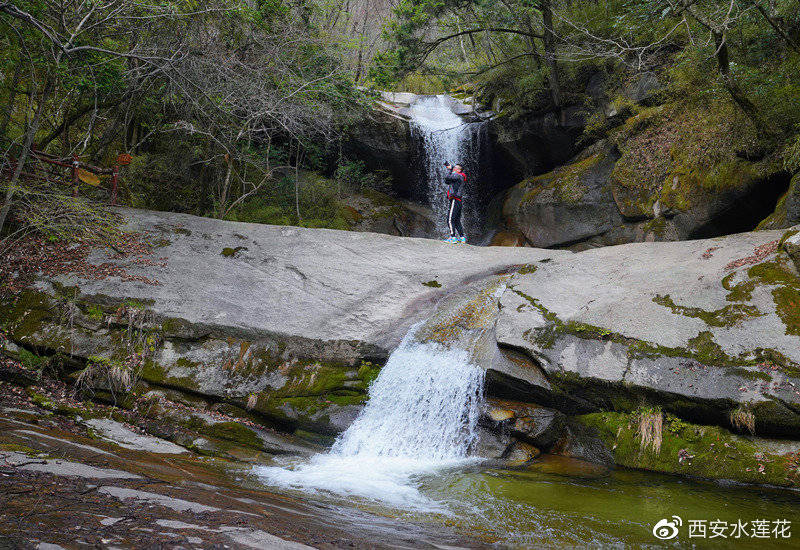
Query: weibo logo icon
[{"x": 666, "y": 529}]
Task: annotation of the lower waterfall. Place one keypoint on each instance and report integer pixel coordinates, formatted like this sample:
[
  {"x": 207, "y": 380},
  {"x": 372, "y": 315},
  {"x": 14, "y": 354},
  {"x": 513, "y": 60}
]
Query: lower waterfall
[{"x": 421, "y": 417}]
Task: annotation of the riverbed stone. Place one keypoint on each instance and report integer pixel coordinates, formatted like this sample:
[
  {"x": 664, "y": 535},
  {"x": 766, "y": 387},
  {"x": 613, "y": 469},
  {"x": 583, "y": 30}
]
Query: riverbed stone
[
  {"x": 584, "y": 443},
  {"x": 697, "y": 450},
  {"x": 540, "y": 426},
  {"x": 520, "y": 454},
  {"x": 121, "y": 435}
]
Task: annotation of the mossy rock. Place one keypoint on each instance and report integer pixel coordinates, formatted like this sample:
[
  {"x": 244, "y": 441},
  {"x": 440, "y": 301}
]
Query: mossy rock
[
  {"x": 685, "y": 157},
  {"x": 781, "y": 275},
  {"x": 566, "y": 183},
  {"x": 689, "y": 449},
  {"x": 234, "y": 431},
  {"x": 26, "y": 313},
  {"x": 312, "y": 413}
]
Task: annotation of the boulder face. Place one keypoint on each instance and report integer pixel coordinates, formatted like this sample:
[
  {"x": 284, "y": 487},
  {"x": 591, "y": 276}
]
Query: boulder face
[
  {"x": 532, "y": 144},
  {"x": 382, "y": 140},
  {"x": 663, "y": 173},
  {"x": 375, "y": 212},
  {"x": 703, "y": 328},
  {"x": 787, "y": 211},
  {"x": 570, "y": 204},
  {"x": 292, "y": 325}
]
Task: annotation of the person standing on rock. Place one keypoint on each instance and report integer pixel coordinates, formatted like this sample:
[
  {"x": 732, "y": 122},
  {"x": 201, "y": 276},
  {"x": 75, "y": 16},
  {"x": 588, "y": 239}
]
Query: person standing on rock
[{"x": 456, "y": 180}]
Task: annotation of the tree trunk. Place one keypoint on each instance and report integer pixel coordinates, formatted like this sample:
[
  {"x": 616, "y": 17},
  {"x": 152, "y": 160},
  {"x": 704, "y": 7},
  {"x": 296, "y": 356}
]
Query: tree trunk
[
  {"x": 30, "y": 135},
  {"x": 549, "y": 41},
  {"x": 736, "y": 93},
  {"x": 297, "y": 185},
  {"x": 12, "y": 98}
]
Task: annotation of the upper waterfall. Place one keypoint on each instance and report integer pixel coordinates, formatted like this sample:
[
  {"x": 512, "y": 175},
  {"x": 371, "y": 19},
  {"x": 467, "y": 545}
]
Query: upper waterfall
[{"x": 445, "y": 136}]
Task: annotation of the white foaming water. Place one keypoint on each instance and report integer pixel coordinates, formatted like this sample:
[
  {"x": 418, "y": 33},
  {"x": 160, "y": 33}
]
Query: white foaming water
[
  {"x": 421, "y": 417},
  {"x": 445, "y": 138}
]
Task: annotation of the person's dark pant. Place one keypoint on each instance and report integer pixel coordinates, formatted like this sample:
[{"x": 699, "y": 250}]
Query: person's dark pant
[{"x": 454, "y": 219}]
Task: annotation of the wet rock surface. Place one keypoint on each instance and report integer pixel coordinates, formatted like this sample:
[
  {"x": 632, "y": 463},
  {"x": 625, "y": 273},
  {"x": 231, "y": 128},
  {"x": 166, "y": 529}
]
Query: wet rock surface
[
  {"x": 59, "y": 486},
  {"x": 291, "y": 328},
  {"x": 538, "y": 425},
  {"x": 293, "y": 321}
]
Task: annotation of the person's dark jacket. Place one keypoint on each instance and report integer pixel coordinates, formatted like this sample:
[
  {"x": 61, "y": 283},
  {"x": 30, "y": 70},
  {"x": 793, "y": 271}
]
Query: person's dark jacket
[{"x": 455, "y": 185}]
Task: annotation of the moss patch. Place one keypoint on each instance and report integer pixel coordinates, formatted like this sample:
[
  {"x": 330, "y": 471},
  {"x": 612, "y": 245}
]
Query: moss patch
[
  {"x": 689, "y": 449},
  {"x": 727, "y": 316},
  {"x": 229, "y": 252},
  {"x": 741, "y": 292},
  {"x": 566, "y": 183},
  {"x": 786, "y": 294},
  {"x": 702, "y": 348},
  {"x": 233, "y": 431},
  {"x": 25, "y": 314},
  {"x": 681, "y": 154}
]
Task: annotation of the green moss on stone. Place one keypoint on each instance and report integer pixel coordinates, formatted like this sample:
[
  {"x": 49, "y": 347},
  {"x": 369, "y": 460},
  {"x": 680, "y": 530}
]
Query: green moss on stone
[
  {"x": 727, "y": 316},
  {"x": 702, "y": 348},
  {"x": 789, "y": 234},
  {"x": 229, "y": 252},
  {"x": 234, "y": 431},
  {"x": 56, "y": 407},
  {"x": 775, "y": 272},
  {"x": 689, "y": 449},
  {"x": 154, "y": 373},
  {"x": 742, "y": 292},
  {"x": 753, "y": 375},
  {"x": 787, "y": 306},
  {"x": 433, "y": 284},
  {"x": 786, "y": 294},
  {"x": 31, "y": 361},
  {"x": 567, "y": 182},
  {"x": 26, "y": 314},
  {"x": 368, "y": 372}
]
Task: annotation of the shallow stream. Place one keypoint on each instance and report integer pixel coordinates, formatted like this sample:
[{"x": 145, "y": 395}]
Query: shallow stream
[
  {"x": 408, "y": 456},
  {"x": 560, "y": 503}
]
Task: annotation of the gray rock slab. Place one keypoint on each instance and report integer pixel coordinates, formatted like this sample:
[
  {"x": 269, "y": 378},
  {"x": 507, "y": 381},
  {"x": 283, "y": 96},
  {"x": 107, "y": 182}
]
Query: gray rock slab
[
  {"x": 614, "y": 288},
  {"x": 354, "y": 289},
  {"x": 117, "y": 433},
  {"x": 61, "y": 467},
  {"x": 177, "y": 504}
]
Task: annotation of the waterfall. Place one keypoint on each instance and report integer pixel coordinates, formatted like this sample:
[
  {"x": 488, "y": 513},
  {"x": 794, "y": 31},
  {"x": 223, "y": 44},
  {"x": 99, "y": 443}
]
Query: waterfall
[
  {"x": 443, "y": 136},
  {"x": 421, "y": 416}
]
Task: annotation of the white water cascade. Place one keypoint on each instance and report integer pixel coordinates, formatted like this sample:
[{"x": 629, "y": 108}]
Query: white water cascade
[
  {"x": 445, "y": 137},
  {"x": 421, "y": 417}
]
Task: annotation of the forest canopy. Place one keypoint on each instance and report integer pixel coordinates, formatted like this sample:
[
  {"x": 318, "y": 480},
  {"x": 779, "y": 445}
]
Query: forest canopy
[{"x": 218, "y": 103}]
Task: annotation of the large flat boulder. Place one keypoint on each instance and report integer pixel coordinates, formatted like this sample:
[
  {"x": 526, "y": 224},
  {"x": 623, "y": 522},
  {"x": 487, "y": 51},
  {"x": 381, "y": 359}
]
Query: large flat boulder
[
  {"x": 294, "y": 323},
  {"x": 291, "y": 323},
  {"x": 703, "y": 327}
]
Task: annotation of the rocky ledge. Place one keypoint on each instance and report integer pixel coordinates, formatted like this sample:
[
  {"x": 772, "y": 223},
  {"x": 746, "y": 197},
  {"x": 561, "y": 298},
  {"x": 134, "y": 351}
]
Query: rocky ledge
[{"x": 590, "y": 354}]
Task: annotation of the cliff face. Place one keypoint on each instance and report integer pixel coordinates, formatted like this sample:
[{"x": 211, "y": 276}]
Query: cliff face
[{"x": 293, "y": 324}]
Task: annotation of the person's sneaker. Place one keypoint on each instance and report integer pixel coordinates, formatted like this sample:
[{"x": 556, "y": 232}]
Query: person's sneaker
[
  {"x": 450, "y": 240},
  {"x": 462, "y": 240}
]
